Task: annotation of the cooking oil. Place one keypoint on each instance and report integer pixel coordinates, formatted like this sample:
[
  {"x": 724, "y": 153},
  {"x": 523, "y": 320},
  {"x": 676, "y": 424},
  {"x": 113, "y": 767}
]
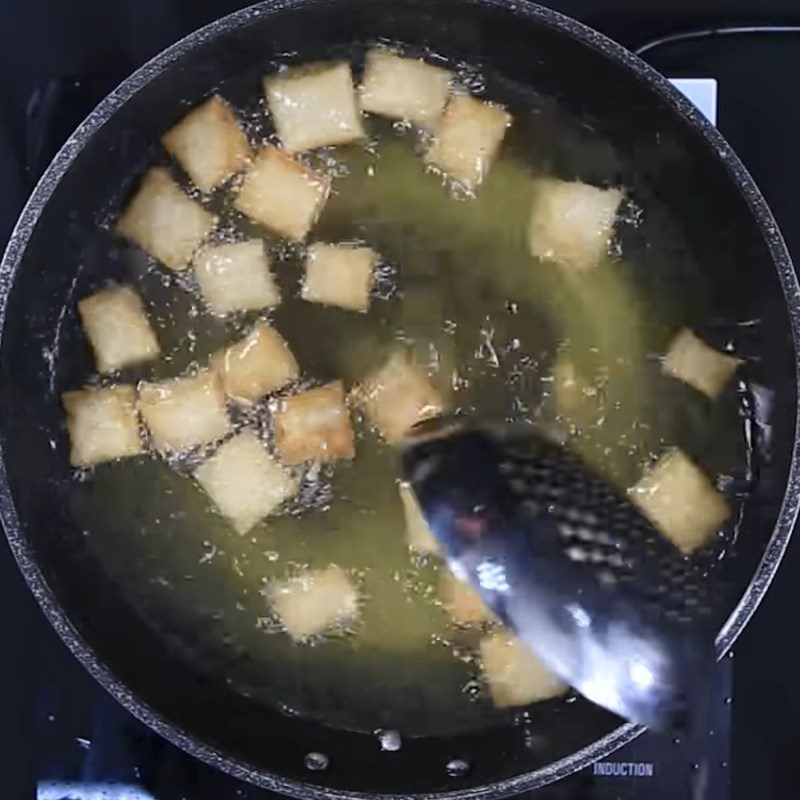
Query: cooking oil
[{"x": 458, "y": 287}]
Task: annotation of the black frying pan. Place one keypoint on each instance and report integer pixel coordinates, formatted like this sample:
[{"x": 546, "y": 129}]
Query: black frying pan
[{"x": 669, "y": 152}]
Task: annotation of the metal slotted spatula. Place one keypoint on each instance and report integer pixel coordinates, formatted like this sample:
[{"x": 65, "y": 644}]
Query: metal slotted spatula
[{"x": 571, "y": 566}]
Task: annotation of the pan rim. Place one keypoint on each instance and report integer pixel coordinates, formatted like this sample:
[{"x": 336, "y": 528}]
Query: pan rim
[{"x": 23, "y": 551}]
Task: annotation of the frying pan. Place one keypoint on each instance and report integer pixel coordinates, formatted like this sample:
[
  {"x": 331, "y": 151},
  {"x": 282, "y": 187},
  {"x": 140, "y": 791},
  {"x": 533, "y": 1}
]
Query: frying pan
[{"x": 669, "y": 151}]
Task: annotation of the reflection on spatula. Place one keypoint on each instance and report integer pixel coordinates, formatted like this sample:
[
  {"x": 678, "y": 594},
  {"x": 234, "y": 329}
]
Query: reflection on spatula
[{"x": 570, "y": 565}]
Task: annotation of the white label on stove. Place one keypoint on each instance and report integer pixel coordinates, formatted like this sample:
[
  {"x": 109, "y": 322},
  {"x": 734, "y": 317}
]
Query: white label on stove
[
  {"x": 58, "y": 790},
  {"x": 625, "y": 769},
  {"x": 702, "y": 92}
]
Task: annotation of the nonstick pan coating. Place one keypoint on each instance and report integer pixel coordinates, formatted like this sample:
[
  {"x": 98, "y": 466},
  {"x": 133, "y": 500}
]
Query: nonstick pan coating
[{"x": 667, "y": 143}]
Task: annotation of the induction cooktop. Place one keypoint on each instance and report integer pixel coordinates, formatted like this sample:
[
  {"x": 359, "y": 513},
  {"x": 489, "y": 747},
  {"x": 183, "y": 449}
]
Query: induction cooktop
[{"x": 64, "y": 738}]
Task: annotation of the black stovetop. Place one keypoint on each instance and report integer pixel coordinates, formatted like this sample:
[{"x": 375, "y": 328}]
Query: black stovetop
[{"x": 57, "y": 59}]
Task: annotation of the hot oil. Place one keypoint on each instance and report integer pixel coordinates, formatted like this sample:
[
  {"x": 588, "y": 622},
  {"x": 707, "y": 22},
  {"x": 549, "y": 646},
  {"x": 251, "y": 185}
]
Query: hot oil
[{"x": 458, "y": 287}]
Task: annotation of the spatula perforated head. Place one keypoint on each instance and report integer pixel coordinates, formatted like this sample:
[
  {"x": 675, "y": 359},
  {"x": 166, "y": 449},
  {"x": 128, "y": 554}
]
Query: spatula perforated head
[{"x": 570, "y": 565}]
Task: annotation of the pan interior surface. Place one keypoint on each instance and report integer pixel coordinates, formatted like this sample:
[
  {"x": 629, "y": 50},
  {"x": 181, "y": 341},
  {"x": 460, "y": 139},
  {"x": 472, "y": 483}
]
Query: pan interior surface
[{"x": 174, "y": 604}]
